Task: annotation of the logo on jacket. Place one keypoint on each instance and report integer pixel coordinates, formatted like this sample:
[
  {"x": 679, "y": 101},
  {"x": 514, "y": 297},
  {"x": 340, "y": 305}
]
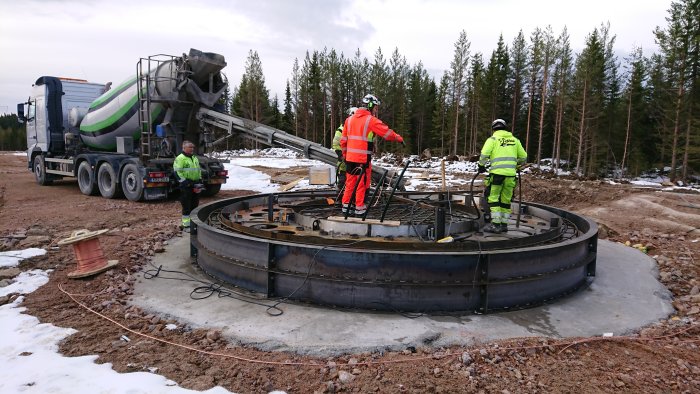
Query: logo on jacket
[{"x": 506, "y": 142}]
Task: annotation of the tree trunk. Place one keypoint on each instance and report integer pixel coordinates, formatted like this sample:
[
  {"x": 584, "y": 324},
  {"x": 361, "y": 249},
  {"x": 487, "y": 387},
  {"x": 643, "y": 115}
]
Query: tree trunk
[
  {"x": 529, "y": 115},
  {"x": 676, "y": 132},
  {"x": 542, "y": 106},
  {"x": 627, "y": 136},
  {"x": 581, "y": 130},
  {"x": 684, "y": 168},
  {"x": 458, "y": 97},
  {"x": 556, "y": 144},
  {"x": 515, "y": 104},
  {"x": 325, "y": 115}
]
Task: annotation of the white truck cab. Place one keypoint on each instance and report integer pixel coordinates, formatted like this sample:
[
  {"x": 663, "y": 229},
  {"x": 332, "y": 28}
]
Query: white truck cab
[{"x": 49, "y": 108}]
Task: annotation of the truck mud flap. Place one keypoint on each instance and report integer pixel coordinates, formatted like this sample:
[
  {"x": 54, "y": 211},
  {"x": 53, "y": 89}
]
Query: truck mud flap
[{"x": 155, "y": 193}]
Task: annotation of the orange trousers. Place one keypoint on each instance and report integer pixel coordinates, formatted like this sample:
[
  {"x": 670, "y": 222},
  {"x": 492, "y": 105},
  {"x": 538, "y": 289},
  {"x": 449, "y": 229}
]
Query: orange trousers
[{"x": 355, "y": 173}]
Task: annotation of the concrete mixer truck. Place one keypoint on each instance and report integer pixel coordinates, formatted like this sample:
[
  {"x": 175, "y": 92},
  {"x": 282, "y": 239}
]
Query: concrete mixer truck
[{"x": 123, "y": 140}]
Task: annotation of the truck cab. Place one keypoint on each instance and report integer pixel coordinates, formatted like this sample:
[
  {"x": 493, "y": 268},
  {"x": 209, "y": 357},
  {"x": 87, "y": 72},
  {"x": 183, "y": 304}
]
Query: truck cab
[{"x": 48, "y": 113}]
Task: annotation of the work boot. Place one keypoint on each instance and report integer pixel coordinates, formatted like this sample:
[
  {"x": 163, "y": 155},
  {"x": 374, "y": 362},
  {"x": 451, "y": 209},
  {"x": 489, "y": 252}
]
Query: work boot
[
  {"x": 360, "y": 213},
  {"x": 345, "y": 209},
  {"x": 504, "y": 227},
  {"x": 494, "y": 228}
]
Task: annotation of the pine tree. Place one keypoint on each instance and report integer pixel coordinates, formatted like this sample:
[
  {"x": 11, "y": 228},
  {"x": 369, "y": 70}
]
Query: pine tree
[
  {"x": 457, "y": 86},
  {"x": 379, "y": 79},
  {"x": 397, "y": 98},
  {"x": 275, "y": 116},
  {"x": 251, "y": 98},
  {"x": 295, "y": 92},
  {"x": 496, "y": 81},
  {"x": 588, "y": 97},
  {"x": 305, "y": 98},
  {"x": 679, "y": 46},
  {"x": 336, "y": 107},
  {"x": 610, "y": 122},
  {"x": 548, "y": 51},
  {"x": 534, "y": 68},
  {"x": 440, "y": 113},
  {"x": 478, "y": 124},
  {"x": 421, "y": 92},
  {"x": 516, "y": 75},
  {"x": 253, "y": 95},
  {"x": 361, "y": 73},
  {"x": 660, "y": 103},
  {"x": 288, "y": 119},
  {"x": 636, "y": 115},
  {"x": 561, "y": 84}
]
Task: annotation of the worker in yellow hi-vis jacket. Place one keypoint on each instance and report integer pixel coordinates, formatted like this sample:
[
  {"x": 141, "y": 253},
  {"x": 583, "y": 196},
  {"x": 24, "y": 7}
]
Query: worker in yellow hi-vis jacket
[
  {"x": 189, "y": 176},
  {"x": 505, "y": 154}
]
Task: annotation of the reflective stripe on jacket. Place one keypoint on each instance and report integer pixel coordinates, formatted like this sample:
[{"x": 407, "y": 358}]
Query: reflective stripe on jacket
[
  {"x": 359, "y": 131},
  {"x": 504, "y": 151},
  {"x": 187, "y": 167}
]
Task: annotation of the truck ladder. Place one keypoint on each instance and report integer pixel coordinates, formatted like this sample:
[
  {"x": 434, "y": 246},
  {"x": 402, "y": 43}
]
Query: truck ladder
[{"x": 143, "y": 86}]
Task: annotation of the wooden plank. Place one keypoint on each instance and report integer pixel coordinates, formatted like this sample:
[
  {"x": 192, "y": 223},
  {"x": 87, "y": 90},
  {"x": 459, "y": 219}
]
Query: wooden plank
[
  {"x": 391, "y": 223},
  {"x": 290, "y": 185}
]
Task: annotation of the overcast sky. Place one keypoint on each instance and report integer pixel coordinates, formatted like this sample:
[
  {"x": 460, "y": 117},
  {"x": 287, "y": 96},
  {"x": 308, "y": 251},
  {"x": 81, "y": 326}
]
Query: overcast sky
[{"x": 101, "y": 41}]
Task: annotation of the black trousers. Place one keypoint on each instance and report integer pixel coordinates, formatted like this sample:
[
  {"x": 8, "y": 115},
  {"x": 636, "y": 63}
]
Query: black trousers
[{"x": 188, "y": 199}]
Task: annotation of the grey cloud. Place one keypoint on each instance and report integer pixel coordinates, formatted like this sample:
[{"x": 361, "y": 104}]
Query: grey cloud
[{"x": 297, "y": 26}]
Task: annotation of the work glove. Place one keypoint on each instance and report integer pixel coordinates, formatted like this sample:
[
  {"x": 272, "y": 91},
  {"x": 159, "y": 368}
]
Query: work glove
[
  {"x": 339, "y": 153},
  {"x": 400, "y": 139},
  {"x": 482, "y": 169}
]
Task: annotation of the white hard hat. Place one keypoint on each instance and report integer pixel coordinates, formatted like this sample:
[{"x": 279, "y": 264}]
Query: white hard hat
[
  {"x": 351, "y": 111},
  {"x": 371, "y": 100},
  {"x": 498, "y": 124}
]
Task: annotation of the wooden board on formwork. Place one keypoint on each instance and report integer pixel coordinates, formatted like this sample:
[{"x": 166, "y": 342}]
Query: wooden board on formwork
[{"x": 392, "y": 223}]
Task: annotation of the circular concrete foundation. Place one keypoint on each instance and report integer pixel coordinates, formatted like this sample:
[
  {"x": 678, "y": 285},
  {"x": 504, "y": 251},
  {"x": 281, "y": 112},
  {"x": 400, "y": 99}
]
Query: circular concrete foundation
[{"x": 299, "y": 246}]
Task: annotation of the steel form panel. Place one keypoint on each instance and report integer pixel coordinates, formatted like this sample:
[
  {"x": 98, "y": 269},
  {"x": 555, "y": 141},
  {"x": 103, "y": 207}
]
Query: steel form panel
[{"x": 417, "y": 281}]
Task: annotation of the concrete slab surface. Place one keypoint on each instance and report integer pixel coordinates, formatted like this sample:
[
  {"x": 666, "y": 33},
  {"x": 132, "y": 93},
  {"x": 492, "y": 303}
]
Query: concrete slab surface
[{"x": 624, "y": 296}]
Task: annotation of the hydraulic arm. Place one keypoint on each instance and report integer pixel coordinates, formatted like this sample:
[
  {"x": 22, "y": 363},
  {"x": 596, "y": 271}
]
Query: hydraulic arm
[{"x": 272, "y": 137}]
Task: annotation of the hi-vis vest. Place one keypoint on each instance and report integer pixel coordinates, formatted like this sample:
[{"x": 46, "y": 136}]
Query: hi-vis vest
[
  {"x": 187, "y": 167},
  {"x": 504, "y": 151},
  {"x": 359, "y": 131},
  {"x": 336, "y": 138}
]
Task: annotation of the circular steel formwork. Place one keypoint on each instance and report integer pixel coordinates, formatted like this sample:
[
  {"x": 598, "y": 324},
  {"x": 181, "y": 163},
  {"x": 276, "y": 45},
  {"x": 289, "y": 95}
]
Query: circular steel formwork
[{"x": 297, "y": 246}]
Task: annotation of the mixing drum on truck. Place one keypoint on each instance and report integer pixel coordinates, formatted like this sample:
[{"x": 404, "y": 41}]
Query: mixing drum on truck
[{"x": 124, "y": 140}]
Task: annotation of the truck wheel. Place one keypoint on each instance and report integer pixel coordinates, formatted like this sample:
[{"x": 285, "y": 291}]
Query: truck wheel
[
  {"x": 211, "y": 190},
  {"x": 107, "y": 182},
  {"x": 86, "y": 179},
  {"x": 132, "y": 182},
  {"x": 40, "y": 174}
]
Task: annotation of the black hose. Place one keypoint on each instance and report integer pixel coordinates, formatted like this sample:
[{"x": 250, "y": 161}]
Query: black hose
[
  {"x": 520, "y": 198},
  {"x": 393, "y": 189},
  {"x": 471, "y": 193}
]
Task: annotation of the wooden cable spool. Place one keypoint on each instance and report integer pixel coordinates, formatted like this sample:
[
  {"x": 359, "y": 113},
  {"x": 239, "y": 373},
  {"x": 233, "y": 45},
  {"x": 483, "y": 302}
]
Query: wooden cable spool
[{"x": 88, "y": 253}]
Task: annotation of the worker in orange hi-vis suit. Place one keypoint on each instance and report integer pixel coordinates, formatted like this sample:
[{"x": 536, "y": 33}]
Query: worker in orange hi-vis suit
[{"x": 356, "y": 144}]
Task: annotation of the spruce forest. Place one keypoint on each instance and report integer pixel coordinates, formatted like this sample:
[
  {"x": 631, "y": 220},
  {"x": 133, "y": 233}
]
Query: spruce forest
[{"x": 590, "y": 112}]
